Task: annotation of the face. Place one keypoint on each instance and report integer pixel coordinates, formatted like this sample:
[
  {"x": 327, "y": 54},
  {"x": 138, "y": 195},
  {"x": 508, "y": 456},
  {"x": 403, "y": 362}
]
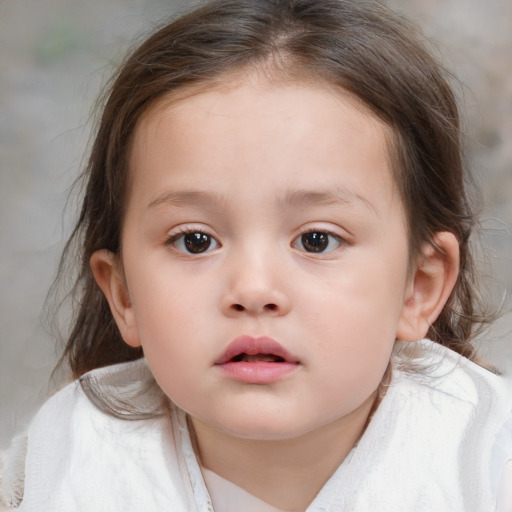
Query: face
[{"x": 264, "y": 256}]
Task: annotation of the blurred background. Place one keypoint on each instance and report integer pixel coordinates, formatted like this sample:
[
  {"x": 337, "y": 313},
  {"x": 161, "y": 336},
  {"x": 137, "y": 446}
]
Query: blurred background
[{"x": 54, "y": 57}]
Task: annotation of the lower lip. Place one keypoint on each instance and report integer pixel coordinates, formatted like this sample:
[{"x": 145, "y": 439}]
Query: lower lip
[{"x": 257, "y": 372}]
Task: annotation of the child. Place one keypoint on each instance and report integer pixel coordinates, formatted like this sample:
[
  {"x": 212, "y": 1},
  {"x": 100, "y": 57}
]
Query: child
[{"x": 274, "y": 220}]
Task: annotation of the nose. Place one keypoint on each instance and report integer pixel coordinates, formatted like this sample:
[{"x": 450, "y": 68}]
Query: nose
[{"x": 255, "y": 287}]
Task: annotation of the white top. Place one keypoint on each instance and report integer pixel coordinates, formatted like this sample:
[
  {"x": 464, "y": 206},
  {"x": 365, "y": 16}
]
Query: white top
[
  {"x": 439, "y": 441},
  {"x": 228, "y": 497}
]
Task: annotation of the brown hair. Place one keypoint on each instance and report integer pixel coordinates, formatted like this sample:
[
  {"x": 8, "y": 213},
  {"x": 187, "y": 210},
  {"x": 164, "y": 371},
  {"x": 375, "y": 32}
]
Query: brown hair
[{"x": 359, "y": 46}]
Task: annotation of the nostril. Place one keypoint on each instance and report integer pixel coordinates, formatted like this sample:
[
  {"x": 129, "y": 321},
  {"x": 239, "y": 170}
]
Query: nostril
[{"x": 267, "y": 307}]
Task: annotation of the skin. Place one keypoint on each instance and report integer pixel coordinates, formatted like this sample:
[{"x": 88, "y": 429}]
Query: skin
[{"x": 255, "y": 166}]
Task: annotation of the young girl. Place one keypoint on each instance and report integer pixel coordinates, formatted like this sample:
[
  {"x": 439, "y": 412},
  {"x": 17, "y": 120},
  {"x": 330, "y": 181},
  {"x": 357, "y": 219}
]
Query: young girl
[{"x": 276, "y": 298}]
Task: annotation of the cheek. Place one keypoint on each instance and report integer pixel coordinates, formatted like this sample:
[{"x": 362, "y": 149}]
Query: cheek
[
  {"x": 166, "y": 300},
  {"x": 173, "y": 317},
  {"x": 173, "y": 350},
  {"x": 352, "y": 319}
]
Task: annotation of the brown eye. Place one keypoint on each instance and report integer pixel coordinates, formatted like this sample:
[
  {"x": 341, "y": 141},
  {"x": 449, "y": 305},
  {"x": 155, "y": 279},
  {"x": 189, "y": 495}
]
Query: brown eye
[
  {"x": 197, "y": 242},
  {"x": 317, "y": 241},
  {"x": 194, "y": 242}
]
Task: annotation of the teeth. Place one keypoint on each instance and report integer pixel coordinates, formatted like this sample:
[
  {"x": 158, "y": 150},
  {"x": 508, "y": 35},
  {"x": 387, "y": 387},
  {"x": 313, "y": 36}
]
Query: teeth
[{"x": 267, "y": 358}]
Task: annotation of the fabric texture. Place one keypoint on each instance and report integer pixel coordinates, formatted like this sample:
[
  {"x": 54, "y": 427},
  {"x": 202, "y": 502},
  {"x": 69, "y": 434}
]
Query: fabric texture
[
  {"x": 439, "y": 441},
  {"x": 228, "y": 497},
  {"x": 12, "y": 473}
]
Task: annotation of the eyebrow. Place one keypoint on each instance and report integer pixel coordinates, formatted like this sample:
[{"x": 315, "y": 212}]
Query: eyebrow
[
  {"x": 339, "y": 195},
  {"x": 186, "y": 198},
  {"x": 292, "y": 198}
]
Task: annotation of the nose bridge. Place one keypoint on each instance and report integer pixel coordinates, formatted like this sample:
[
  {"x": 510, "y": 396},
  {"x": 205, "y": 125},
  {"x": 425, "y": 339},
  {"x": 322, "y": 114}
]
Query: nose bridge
[{"x": 255, "y": 283}]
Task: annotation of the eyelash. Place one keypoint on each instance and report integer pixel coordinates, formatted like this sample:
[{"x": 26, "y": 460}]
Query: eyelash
[
  {"x": 319, "y": 243},
  {"x": 180, "y": 237},
  {"x": 339, "y": 241}
]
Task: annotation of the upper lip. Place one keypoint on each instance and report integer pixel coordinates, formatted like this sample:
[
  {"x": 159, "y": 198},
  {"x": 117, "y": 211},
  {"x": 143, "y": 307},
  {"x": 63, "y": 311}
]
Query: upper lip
[{"x": 251, "y": 345}]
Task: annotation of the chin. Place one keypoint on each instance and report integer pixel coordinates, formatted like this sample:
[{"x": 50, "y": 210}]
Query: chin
[{"x": 267, "y": 429}]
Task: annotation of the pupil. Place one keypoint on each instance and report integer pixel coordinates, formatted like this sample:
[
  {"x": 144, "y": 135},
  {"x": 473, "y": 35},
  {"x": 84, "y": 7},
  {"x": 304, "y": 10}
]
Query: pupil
[
  {"x": 197, "y": 242},
  {"x": 315, "y": 241}
]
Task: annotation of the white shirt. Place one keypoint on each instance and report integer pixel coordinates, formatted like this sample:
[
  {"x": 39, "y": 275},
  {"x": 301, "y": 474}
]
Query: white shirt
[{"x": 439, "y": 441}]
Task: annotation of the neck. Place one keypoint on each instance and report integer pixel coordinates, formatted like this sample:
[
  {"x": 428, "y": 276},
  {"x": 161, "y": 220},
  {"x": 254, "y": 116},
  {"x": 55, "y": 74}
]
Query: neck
[{"x": 286, "y": 473}]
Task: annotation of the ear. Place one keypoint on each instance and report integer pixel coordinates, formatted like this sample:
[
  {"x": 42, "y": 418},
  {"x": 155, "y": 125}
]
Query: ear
[
  {"x": 431, "y": 283},
  {"x": 109, "y": 275}
]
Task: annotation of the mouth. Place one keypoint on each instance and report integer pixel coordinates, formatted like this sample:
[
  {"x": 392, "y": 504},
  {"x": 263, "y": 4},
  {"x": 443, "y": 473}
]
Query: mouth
[
  {"x": 253, "y": 350},
  {"x": 249, "y": 358},
  {"x": 256, "y": 361}
]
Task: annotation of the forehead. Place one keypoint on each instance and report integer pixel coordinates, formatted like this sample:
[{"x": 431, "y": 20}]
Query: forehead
[{"x": 288, "y": 134}]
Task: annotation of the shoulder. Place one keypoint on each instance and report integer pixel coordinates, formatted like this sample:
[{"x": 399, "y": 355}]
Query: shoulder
[
  {"x": 56, "y": 461},
  {"x": 109, "y": 394},
  {"x": 12, "y": 473},
  {"x": 461, "y": 409},
  {"x": 447, "y": 385},
  {"x": 13, "y": 460},
  {"x": 100, "y": 400},
  {"x": 439, "y": 440},
  {"x": 440, "y": 372},
  {"x": 46, "y": 429}
]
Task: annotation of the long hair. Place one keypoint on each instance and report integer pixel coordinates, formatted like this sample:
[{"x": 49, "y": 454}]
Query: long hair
[{"x": 360, "y": 47}]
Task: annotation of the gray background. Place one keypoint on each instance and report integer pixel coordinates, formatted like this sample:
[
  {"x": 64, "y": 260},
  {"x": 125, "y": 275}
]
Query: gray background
[{"x": 54, "y": 56}]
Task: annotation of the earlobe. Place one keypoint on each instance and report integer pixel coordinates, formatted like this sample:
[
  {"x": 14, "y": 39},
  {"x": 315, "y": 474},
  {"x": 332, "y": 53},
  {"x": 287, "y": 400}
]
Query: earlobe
[
  {"x": 108, "y": 274},
  {"x": 430, "y": 286}
]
